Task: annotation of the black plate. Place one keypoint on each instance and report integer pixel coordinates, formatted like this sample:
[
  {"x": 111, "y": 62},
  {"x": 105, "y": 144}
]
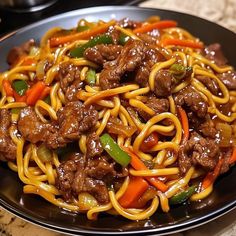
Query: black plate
[{"x": 37, "y": 210}]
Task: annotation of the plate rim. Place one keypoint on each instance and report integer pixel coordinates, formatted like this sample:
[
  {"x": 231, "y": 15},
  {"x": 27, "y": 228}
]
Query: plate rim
[{"x": 175, "y": 228}]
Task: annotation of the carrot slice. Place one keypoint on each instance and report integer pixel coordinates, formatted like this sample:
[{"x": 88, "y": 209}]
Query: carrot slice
[
  {"x": 233, "y": 156},
  {"x": 211, "y": 176},
  {"x": 45, "y": 92},
  {"x": 19, "y": 98},
  {"x": 157, "y": 25},
  {"x": 185, "y": 124},
  {"x": 8, "y": 88},
  {"x": 149, "y": 142},
  {"x": 137, "y": 164},
  {"x": 33, "y": 95},
  {"x": 137, "y": 186},
  {"x": 182, "y": 42},
  {"x": 55, "y": 41}
]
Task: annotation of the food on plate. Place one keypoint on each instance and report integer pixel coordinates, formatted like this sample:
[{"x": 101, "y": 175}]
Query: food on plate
[{"x": 122, "y": 117}]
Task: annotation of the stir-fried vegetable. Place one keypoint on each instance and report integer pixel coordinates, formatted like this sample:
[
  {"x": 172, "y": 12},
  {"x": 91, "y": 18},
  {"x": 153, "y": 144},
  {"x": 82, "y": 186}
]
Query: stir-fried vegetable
[
  {"x": 233, "y": 156},
  {"x": 113, "y": 149},
  {"x": 149, "y": 142},
  {"x": 183, "y": 196},
  {"x": 20, "y": 86},
  {"x": 137, "y": 164},
  {"x": 101, "y": 39},
  {"x": 185, "y": 124},
  {"x": 226, "y": 132},
  {"x": 157, "y": 25},
  {"x": 7, "y": 87},
  {"x": 91, "y": 77},
  {"x": 179, "y": 71},
  {"x": 81, "y": 28},
  {"x": 182, "y": 42},
  {"x": 15, "y": 110},
  {"x": 86, "y": 201},
  {"x": 44, "y": 153},
  {"x": 123, "y": 39},
  {"x": 137, "y": 186}
]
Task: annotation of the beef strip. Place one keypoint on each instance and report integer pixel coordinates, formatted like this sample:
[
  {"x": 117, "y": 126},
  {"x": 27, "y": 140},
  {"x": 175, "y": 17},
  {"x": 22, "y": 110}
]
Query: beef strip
[
  {"x": 157, "y": 105},
  {"x": 70, "y": 82},
  {"x": 228, "y": 79},
  {"x": 80, "y": 174},
  {"x": 192, "y": 100},
  {"x": 211, "y": 84},
  {"x": 226, "y": 155},
  {"x": 198, "y": 151},
  {"x": 7, "y": 146},
  {"x": 101, "y": 53},
  {"x": 94, "y": 147},
  {"x": 152, "y": 56},
  {"x": 129, "y": 59},
  {"x": 16, "y": 53},
  {"x": 74, "y": 119},
  {"x": 214, "y": 53}
]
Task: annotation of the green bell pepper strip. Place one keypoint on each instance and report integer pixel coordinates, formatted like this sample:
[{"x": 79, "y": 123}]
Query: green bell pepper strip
[
  {"x": 20, "y": 86},
  {"x": 101, "y": 39},
  {"x": 123, "y": 39},
  {"x": 179, "y": 71},
  {"x": 47, "y": 100},
  {"x": 91, "y": 77},
  {"x": 113, "y": 149},
  {"x": 16, "y": 110},
  {"x": 183, "y": 196}
]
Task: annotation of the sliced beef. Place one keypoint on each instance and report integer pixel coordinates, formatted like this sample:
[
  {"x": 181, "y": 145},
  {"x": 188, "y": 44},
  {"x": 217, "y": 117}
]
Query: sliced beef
[
  {"x": 129, "y": 59},
  {"x": 79, "y": 174},
  {"x": 101, "y": 53},
  {"x": 157, "y": 105},
  {"x": 208, "y": 129},
  {"x": 16, "y": 53},
  {"x": 198, "y": 151},
  {"x": 73, "y": 120},
  {"x": 228, "y": 79},
  {"x": 211, "y": 84},
  {"x": 152, "y": 56},
  {"x": 192, "y": 100},
  {"x": 214, "y": 53},
  {"x": 7, "y": 146},
  {"x": 226, "y": 155},
  {"x": 69, "y": 77},
  {"x": 93, "y": 144}
]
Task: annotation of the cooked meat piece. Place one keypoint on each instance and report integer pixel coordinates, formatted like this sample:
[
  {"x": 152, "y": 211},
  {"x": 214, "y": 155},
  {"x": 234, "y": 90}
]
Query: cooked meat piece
[
  {"x": 157, "y": 105},
  {"x": 164, "y": 83},
  {"x": 69, "y": 77},
  {"x": 31, "y": 127},
  {"x": 78, "y": 175},
  {"x": 127, "y": 23},
  {"x": 198, "y": 151},
  {"x": 207, "y": 128},
  {"x": 74, "y": 118},
  {"x": 101, "y": 53},
  {"x": 16, "y": 53},
  {"x": 115, "y": 34},
  {"x": 192, "y": 100},
  {"x": 226, "y": 155},
  {"x": 214, "y": 53},
  {"x": 152, "y": 56},
  {"x": 94, "y": 147},
  {"x": 229, "y": 80},
  {"x": 149, "y": 39},
  {"x": 211, "y": 84},
  {"x": 7, "y": 146},
  {"x": 129, "y": 59}
]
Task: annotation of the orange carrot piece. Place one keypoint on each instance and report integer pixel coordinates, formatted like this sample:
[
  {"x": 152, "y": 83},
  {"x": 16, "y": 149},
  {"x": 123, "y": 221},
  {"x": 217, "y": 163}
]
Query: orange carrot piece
[
  {"x": 45, "y": 92},
  {"x": 149, "y": 142},
  {"x": 7, "y": 87},
  {"x": 233, "y": 156},
  {"x": 182, "y": 42},
  {"x": 28, "y": 61},
  {"x": 19, "y": 98},
  {"x": 87, "y": 34},
  {"x": 157, "y": 25},
  {"x": 185, "y": 123},
  {"x": 137, "y": 186},
  {"x": 137, "y": 164},
  {"x": 35, "y": 92},
  {"x": 211, "y": 176}
]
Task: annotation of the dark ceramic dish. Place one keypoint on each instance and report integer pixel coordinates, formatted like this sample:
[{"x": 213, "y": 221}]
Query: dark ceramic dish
[{"x": 37, "y": 210}]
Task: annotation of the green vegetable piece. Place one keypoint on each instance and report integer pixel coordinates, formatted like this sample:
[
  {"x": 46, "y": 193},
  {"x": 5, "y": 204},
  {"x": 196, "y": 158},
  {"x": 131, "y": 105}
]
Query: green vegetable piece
[
  {"x": 48, "y": 100},
  {"x": 44, "y": 153},
  {"x": 81, "y": 28},
  {"x": 20, "y": 86},
  {"x": 123, "y": 39},
  {"x": 183, "y": 196},
  {"x": 101, "y": 39},
  {"x": 91, "y": 77},
  {"x": 15, "y": 110},
  {"x": 179, "y": 71},
  {"x": 113, "y": 149}
]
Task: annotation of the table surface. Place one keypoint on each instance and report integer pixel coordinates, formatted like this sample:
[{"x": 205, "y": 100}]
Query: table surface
[{"x": 221, "y": 11}]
